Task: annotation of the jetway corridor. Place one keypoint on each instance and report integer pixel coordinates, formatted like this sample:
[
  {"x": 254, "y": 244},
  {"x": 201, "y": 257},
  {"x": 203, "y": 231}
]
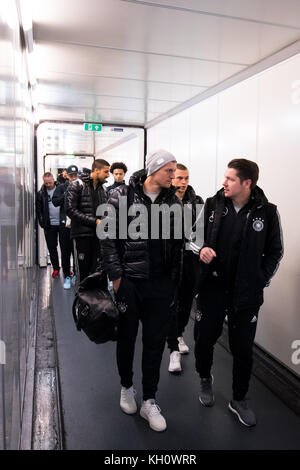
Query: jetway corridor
[
  {"x": 87, "y": 395},
  {"x": 202, "y": 83}
]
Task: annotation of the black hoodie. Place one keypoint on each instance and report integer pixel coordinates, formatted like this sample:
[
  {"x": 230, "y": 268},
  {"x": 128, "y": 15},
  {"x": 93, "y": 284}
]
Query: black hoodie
[{"x": 248, "y": 245}]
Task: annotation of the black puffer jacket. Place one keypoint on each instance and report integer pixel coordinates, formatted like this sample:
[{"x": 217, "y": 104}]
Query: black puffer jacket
[
  {"x": 80, "y": 206},
  {"x": 261, "y": 246},
  {"x": 131, "y": 257},
  {"x": 190, "y": 200},
  {"x": 42, "y": 208}
]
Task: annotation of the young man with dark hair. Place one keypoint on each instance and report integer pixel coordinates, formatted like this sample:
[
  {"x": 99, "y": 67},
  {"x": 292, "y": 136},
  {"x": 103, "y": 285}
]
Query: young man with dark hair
[
  {"x": 186, "y": 289},
  {"x": 53, "y": 220},
  {"x": 144, "y": 272},
  {"x": 82, "y": 198},
  {"x": 118, "y": 170},
  {"x": 241, "y": 252}
]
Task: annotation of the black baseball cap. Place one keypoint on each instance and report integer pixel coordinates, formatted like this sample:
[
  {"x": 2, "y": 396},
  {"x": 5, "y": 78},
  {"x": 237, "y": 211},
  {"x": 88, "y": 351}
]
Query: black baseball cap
[{"x": 72, "y": 169}]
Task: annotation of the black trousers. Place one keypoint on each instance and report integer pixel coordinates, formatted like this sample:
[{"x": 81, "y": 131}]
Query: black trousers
[
  {"x": 52, "y": 234},
  {"x": 213, "y": 304},
  {"x": 147, "y": 301},
  {"x": 86, "y": 256},
  {"x": 183, "y": 301}
]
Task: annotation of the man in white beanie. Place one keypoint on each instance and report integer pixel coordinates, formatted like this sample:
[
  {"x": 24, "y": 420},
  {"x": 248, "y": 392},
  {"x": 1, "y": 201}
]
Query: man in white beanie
[{"x": 144, "y": 272}]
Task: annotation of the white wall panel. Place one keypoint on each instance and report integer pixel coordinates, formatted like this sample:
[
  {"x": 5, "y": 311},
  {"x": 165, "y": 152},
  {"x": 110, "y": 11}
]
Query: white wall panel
[
  {"x": 237, "y": 125},
  {"x": 180, "y": 140},
  {"x": 203, "y": 147},
  {"x": 160, "y": 136}
]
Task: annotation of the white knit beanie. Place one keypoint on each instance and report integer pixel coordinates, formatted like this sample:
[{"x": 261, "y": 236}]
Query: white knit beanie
[{"x": 157, "y": 159}]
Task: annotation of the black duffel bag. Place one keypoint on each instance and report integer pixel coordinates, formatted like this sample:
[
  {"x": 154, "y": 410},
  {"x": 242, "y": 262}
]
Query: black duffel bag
[{"x": 94, "y": 311}]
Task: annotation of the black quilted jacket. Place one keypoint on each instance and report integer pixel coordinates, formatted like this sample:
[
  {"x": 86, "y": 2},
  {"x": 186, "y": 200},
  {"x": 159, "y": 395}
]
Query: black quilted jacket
[{"x": 131, "y": 257}]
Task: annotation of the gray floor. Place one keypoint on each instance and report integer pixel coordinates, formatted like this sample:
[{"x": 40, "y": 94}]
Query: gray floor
[{"x": 90, "y": 399}]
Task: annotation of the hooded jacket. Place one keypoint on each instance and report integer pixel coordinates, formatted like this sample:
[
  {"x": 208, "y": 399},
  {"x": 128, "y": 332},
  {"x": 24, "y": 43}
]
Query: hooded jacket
[
  {"x": 132, "y": 257},
  {"x": 80, "y": 207},
  {"x": 261, "y": 246}
]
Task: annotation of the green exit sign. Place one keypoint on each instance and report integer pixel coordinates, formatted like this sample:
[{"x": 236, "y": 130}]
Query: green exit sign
[{"x": 92, "y": 127}]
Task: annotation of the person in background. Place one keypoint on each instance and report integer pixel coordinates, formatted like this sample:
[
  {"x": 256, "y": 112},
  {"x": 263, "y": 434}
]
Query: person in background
[
  {"x": 53, "y": 220},
  {"x": 63, "y": 177},
  {"x": 118, "y": 170},
  {"x": 82, "y": 198},
  {"x": 241, "y": 252},
  {"x": 144, "y": 272},
  {"x": 186, "y": 289},
  {"x": 58, "y": 200}
]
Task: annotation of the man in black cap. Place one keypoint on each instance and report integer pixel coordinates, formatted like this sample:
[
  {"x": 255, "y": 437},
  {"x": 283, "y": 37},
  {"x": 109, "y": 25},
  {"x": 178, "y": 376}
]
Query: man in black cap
[{"x": 58, "y": 200}]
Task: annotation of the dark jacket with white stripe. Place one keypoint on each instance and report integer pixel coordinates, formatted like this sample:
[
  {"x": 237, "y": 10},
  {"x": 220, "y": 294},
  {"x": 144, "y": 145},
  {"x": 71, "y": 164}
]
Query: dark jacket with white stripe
[{"x": 259, "y": 242}]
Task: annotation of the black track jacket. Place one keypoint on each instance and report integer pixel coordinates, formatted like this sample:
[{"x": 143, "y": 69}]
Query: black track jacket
[{"x": 261, "y": 246}]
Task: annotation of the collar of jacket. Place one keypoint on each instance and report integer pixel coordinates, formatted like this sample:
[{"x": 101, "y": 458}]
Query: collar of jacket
[
  {"x": 137, "y": 180},
  {"x": 189, "y": 195}
]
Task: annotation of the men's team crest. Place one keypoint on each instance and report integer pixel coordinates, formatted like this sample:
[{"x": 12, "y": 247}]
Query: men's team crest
[
  {"x": 198, "y": 315},
  {"x": 258, "y": 224},
  {"x": 122, "y": 307}
]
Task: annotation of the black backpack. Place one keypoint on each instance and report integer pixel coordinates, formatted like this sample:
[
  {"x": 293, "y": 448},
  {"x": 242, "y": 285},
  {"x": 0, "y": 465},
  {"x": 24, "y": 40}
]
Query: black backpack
[{"x": 94, "y": 311}]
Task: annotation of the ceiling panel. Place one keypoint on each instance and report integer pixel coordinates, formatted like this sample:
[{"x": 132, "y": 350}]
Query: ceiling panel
[
  {"x": 130, "y": 60},
  {"x": 264, "y": 11}
]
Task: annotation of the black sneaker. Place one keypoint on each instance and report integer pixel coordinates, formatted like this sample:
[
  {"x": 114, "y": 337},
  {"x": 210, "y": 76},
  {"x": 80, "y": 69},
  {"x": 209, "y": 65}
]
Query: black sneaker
[
  {"x": 206, "y": 395},
  {"x": 243, "y": 411}
]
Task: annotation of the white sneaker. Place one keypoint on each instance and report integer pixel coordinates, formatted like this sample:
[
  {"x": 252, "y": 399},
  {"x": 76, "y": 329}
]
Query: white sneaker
[
  {"x": 73, "y": 280},
  {"x": 175, "y": 365},
  {"x": 152, "y": 413},
  {"x": 183, "y": 348},
  {"x": 67, "y": 283},
  {"x": 127, "y": 400}
]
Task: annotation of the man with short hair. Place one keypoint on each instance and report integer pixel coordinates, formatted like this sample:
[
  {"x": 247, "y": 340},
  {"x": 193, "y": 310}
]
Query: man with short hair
[
  {"x": 53, "y": 220},
  {"x": 118, "y": 170},
  {"x": 241, "y": 252},
  {"x": 186, "y": 288},
  {"x": 82, "y": 198},
  {"x": 145, "y": 271}
]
